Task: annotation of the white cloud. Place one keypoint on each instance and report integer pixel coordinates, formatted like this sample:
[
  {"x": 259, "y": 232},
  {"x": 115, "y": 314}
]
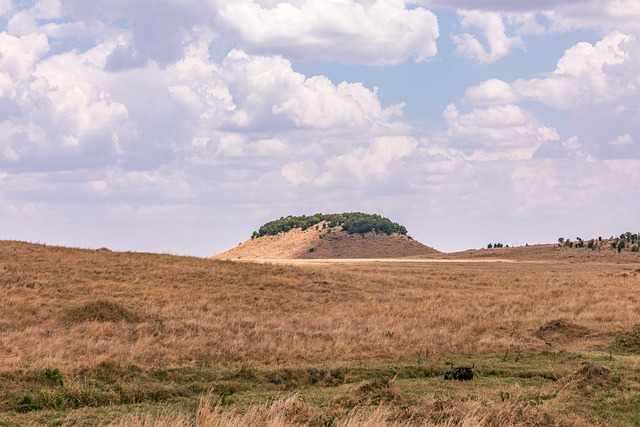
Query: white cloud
[
  {"x": 261, "y": 92},
  {"x": 172, "y": 114},
  {"x": 72, "y": 106},
  {"x": 5, "y": 7},
  {"x": 491, "y": 27},
  {"x": 490, "y": 92},
  {"x": 366, "y": 165},
  {"x": 300, "y": 172},
  {"x": 556, "y": 149},
  {"x": 598, "y": 83},
  {"x": 505, "y": 132},
  {"x": 20, "y": 54},
  {"x": 584, "y": 75},
  {"x": 343, "y": 30},
  {"x": 604, "y": 15},
  {"x": 625, "y": 139},
  {"x": 59, "y": 111}
]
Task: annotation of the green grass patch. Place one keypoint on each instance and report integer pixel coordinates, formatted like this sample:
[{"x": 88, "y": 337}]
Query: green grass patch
[{"x": 597, "y": 388}]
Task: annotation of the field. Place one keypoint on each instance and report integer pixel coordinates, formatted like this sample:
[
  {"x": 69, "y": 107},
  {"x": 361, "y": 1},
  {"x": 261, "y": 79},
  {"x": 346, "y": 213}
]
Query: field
[{"x": 104, "y": 338}]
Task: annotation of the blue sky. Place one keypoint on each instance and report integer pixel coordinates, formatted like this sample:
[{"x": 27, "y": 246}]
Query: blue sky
[{"x": 181, "y": 127}]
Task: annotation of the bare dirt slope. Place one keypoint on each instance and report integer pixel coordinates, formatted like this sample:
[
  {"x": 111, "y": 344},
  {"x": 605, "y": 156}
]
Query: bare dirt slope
[{"x": 327, "y": 243}]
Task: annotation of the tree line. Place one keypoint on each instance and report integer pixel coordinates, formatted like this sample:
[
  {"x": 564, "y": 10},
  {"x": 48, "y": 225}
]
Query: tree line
[{"x": 626, "y": 240}]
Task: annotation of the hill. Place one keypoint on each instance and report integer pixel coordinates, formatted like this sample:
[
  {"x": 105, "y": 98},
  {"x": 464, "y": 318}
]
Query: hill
[
  {"x": 542, "y": 253},
  {"x": 334, "y": 236},
  {"x": 618, "y": 250}
]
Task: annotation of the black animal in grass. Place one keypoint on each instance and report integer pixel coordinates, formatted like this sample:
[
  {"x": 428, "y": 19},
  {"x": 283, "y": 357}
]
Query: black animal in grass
[{"x": 460, "y": 373}]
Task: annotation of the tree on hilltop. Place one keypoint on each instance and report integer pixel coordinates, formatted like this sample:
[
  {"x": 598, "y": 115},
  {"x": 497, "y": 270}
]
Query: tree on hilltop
[{"x": 351, "y": 222}]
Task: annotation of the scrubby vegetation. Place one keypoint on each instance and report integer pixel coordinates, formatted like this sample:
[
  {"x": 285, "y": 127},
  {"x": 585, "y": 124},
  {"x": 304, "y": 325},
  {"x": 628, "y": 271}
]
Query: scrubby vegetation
[
  {"x": 626, "y": 242},
  {"x": 351, "y": 222}
]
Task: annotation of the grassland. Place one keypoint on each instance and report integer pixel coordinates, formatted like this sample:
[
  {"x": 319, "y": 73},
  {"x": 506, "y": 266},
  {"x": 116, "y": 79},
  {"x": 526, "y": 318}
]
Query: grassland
[{"x": 104, "y": 338}]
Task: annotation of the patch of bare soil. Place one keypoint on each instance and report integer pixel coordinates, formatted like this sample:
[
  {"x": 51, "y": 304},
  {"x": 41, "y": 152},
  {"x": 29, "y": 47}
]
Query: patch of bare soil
[{"x": 327, "y": 243}]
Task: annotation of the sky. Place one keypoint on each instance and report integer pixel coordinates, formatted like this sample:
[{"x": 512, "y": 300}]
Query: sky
[{"x": 181, "y": 126}]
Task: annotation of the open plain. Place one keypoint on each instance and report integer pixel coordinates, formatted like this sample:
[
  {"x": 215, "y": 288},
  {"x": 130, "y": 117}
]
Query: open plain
[{"x": 94, "y": 337}]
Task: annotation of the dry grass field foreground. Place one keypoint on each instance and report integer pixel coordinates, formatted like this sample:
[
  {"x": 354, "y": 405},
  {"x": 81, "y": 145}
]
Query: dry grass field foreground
[{"x": 83, "y": 329}]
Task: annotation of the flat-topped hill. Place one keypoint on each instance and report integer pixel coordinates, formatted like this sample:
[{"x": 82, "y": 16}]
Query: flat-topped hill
[{"x": 341, "y": 236}]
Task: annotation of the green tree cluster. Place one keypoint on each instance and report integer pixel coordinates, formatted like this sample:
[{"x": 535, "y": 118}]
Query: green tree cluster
[
  {"x": 351, "y": 222},
  {"x": 626, "y": 240}
]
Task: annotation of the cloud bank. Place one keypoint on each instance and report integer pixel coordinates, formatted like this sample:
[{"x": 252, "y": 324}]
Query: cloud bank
[{"x": 119, "y": 119}]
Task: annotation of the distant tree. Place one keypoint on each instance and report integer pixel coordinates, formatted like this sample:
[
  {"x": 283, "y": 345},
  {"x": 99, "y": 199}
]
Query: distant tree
[
  {"x": 635, "y": 248},
  {"x": 561, "y": 240},
  {"x": 489, "y": 246},
  {"x": 621, "y": 245}
]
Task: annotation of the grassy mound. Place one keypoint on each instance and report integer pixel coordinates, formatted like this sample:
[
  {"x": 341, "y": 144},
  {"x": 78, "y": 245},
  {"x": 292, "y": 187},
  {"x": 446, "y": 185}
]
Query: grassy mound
[
  {"x": 628, "y": 341},
  {"x": 101, "y": 311}
]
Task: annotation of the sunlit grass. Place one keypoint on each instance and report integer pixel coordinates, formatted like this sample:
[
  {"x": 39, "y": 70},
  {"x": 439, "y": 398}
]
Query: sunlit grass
[{"x": 100, "y": 336}]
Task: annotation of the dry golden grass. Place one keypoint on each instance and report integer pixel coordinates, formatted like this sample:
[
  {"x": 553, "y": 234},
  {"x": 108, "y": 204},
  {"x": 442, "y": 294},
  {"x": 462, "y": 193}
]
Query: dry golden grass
[
  {"x": 295, "y": 412},
  {"x": 71, "y": 308}
]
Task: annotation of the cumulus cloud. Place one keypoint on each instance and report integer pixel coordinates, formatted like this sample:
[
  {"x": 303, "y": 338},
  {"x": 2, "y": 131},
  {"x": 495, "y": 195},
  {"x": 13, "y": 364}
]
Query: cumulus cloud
[
  {"x": 56, "y": 113},
  {"x": 491, "y": 27},
  {"x": 266, "y": 90},
  {"x": 300, "y": 172},
  {"x": 5, "y": 7},
  {"x": 625, "y": 139},
  {"x": 597, "y": 83},
  {"x": 604, "y": 15},
  {"x": 347, "y": 31},
  {"x": 151, "y": 30},
  {"x": 497, "y": 132},
  {"x": 367, "y": 164},
  {"x": 556, "y": 149},
  {"x": 619, "y": 15},
  {"x": 490, "y": 92},
  {"x": 499, "y": 5},
  {"x": 584, "y": 75},
  {"x": 195, "y": 129},
  {"x": 139, "y": 113}
]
